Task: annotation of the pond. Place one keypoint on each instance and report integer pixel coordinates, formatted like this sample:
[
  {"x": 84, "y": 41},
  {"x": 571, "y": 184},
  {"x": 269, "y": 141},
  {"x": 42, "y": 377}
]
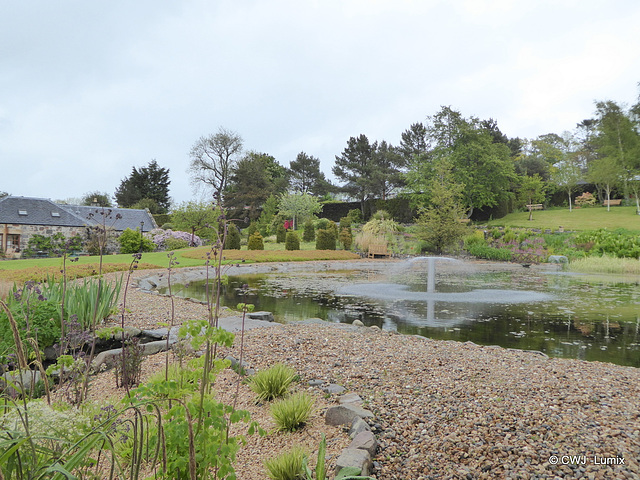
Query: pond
[{"x": 567, "y": 315}]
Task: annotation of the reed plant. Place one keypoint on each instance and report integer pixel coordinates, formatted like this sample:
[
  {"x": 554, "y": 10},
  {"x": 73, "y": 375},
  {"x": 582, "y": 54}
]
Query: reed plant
[
  {"x": 87, "y": 300},
  {"x": 606, "y": 264}
]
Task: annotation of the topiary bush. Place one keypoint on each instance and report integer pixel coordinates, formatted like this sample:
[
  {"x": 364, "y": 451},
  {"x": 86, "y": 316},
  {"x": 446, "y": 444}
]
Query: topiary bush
[
  {"x": 309, "y": 232},
  {"x": 292, "y": 241},
  {"x": 281, "y": 234},
  {"x": 233, "y": 239},
  {"x": 325, "y": 240},
  {"x": 346, "y": 238},
  {"x": 255, "y": 242}
]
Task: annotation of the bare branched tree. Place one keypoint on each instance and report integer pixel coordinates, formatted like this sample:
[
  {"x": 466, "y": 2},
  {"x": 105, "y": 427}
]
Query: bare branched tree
[{"x": 213, "y": 158}]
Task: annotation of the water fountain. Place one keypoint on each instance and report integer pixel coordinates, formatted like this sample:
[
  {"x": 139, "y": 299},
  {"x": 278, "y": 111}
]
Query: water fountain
[{"x": 540, "y": 308}]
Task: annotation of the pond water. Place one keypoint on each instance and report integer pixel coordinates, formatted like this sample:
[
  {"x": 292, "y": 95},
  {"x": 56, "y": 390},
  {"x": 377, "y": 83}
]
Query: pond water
[{"x": 588, "y": 317}]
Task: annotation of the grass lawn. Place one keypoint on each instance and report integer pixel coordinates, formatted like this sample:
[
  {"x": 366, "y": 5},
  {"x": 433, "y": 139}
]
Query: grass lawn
[
  {"x": 38, "y": 269},
  {"x": 578, "y": 219}
]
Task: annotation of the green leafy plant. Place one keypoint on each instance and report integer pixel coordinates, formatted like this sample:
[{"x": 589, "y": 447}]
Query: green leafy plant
[
  {"x": 233, "y": 240},
  {"x": 321, "y": 468},
  {"x": 90, "y": 299},
  {"x": 289, "y": 465},
  {"x": 292, "y": 412},
  {"x": 132, "y": 241},
  {"x": 273, "y": 382},
  {"x": 281, "y": 234}
]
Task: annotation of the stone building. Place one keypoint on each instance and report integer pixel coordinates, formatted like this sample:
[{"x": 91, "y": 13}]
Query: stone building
[{"x": 22, "y": 217}]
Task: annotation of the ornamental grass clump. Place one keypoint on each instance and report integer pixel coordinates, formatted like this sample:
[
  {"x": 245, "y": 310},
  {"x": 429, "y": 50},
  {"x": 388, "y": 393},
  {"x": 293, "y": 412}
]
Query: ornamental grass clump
[
  {"x": 292, "y": 413},
  {"x": 286, "y": 466},
  {"x": 272, "y": 383}
]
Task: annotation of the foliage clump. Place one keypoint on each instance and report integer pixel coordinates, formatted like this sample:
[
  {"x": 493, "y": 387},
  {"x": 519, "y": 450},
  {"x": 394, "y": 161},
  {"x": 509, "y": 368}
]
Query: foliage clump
[
  {"x": 292, "y": 241},
  {"x": 255, "y": 242},
  {"x": 288, "y": 465},
  {"x": 132, "y": 241},
  {"x": 273, "y": 382},
  {"x": 281, "y": 234},
  {"x": 585, "y": 200},
  {"x": 292, "y": 412},
  {"x": 174, "y": 239},
  {"x": 325, "y": 240},
  {"x": 309, "y": 231},
  {"x": 232, "y": 240}
]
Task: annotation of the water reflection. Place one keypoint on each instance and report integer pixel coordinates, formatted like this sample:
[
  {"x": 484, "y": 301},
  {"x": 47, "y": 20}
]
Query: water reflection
[{"x": 561, "y": 315}]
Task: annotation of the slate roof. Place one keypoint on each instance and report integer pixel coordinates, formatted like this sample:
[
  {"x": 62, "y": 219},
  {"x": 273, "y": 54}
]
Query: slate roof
[{"x": 42, "y": 211}]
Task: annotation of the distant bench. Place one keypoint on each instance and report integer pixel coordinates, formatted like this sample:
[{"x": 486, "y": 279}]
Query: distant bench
[
  {"x": 612, "y": 203},
  {"x": 535, "y": 206},
  {"x": 378, "y": 249}
]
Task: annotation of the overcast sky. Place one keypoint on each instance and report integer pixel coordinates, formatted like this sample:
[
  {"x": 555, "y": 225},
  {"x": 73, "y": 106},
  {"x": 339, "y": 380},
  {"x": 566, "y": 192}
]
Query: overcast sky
[{"x": 90, "y": 89}]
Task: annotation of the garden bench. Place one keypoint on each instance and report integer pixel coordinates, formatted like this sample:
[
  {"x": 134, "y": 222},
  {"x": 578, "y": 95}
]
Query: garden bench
[
  {"x": 535, "y": 206},
  {"x": 378, "y": 249},
  {"x": 612, "y": 203}
]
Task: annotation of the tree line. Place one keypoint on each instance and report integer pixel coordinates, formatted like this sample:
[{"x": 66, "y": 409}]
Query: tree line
[{"x": 447, "y": 152}]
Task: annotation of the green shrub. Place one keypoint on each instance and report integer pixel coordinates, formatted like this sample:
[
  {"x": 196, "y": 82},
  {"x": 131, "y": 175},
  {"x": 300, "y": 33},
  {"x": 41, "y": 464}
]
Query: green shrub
[
  {"x": 281, "y": 234},
  {"x": 132, "y": 241},
  {"x": 292, "y": 413},
  {"x": 490, "y": 253},
  {"x": 272, "y": 383},
  {"x": 355, "y": 215},
  {"x": 233, "y": 239},
  {"x": 292, "y": 241},
  {"x": 475, "y": 238},
  {"x": 345, "y": 222},
  {"x": 255, "y": 242},
  {"x": 309, "y": 233},
  {"x": 287, "y": 466},
  {"x": 37, "y": 317},
  {"x": 51, "y": 246},
  {"x": 325, "y": 240},
  {"x": 617, "y": 243},
  {"x": 251, "y": 229},
  {"x": 346, "y": 238},
  {"x": 171, "y": 243}
]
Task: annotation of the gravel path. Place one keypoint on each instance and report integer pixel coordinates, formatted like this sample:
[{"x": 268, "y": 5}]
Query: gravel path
[{"x": 446, "y": 409}]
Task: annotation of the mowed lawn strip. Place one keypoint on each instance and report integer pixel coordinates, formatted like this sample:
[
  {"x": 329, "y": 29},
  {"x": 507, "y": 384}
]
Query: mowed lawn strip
[{"x": 579, "y": 219}]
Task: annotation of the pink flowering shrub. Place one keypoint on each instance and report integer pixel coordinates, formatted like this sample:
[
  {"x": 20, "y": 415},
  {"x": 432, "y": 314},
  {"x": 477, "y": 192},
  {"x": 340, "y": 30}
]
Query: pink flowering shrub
[{"x": 170, "y": 240}]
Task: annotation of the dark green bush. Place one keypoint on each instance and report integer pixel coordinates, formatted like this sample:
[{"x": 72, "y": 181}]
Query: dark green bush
[
  {"x": 232, "y": 241},
  {"x": 255, "y": 242},
  {"x": 325, "y": 240},
  {"x": 355, "y": 215},
  {"x": 251, "y": 229},
  {"x": 281, "y": 234},
  {"x": 292, "y": 241},
  {"x": 346, "y": 238},
  {"x": 309, "y": 232}
]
